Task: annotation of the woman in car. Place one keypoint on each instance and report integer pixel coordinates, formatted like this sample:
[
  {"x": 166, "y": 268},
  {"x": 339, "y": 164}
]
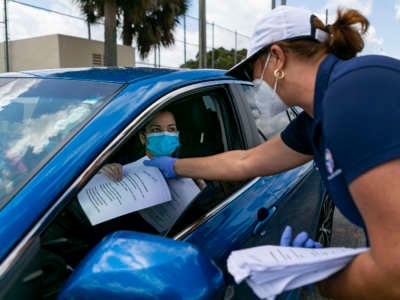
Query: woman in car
[
  {"x": 348, "y": 126},
  {"x": 160, "y": 137}
]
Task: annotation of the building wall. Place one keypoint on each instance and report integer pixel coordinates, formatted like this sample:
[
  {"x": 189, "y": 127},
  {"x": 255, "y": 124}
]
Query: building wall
[
  {"x": 60, "y": 51},
  {"x": 78, "y": 52},
  {"x": 29, "y": 54}
]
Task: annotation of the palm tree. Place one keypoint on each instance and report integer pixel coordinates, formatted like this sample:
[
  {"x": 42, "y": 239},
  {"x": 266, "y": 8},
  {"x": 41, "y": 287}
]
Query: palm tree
[
  {"x": 150, "y": 22},
  {"x": 110, "y": 33}
]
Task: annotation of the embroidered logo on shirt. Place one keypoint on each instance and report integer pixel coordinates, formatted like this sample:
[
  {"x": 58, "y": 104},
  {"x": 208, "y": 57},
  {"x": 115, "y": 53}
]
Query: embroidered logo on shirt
[
  {"x": 330, "y": 165},
  {"x": 329, "y": 162}
]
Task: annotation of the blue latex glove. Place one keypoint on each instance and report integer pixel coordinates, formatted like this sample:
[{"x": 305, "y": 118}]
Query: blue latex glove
[
  {"x": 165, "y": 164},
  {"x": 301, "y": 240}
]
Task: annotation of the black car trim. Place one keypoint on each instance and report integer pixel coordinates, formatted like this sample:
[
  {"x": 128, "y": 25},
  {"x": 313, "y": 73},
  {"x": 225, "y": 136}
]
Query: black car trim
[{"x": 214, "y": 211}]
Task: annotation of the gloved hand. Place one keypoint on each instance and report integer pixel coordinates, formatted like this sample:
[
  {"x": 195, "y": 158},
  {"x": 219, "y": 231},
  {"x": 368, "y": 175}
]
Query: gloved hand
[
  {"x": 165, "y": 164},
  {"x": 301, "y": 240}
]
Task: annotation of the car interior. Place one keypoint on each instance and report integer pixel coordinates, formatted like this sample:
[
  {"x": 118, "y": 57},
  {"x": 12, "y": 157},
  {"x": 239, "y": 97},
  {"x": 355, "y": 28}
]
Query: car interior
[{"x": 200, "y": 121}]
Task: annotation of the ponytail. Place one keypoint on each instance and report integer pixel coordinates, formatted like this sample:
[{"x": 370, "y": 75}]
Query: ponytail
[{"x": 344, "y": 38}]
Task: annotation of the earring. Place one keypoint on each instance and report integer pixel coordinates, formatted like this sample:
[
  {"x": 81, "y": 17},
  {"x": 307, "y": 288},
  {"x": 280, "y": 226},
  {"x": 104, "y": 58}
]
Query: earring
[{"x": 279, "y": 74}]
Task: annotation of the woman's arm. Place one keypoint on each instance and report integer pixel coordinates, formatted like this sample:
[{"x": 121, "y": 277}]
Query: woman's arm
[
  {"x": 376, "y": 273},
  {"x": 271, "y": 157}
]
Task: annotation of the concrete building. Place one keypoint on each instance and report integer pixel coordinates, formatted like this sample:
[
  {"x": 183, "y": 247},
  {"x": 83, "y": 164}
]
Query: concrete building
[{"x": 59, "y": 51}]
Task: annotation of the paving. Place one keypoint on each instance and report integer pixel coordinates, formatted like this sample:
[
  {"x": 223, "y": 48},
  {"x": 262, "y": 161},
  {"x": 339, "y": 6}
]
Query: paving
[{"x": 345, "y": 234}]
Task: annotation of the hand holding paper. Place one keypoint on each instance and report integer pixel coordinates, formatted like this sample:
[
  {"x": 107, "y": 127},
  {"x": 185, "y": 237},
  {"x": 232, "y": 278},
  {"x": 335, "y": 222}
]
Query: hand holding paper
[
  {"x": 301, "y": 240},
  {"x": 103, "y": 199},
  {"x": 270, "y": 270},
  {"x": 141, "y": 189},
  {"x": 112, "y": 171}
]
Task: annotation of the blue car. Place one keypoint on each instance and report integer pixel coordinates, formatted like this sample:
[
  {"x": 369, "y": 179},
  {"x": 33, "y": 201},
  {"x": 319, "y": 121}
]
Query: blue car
[{"x": 59, "y": 127}]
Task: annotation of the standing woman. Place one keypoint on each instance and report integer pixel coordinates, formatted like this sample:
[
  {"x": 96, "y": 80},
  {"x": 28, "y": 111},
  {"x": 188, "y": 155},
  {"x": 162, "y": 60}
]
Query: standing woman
[{"x": 350, "y": 127}]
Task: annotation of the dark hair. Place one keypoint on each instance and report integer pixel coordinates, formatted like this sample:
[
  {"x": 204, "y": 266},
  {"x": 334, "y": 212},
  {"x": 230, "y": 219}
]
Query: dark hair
[
  {"x": 344, "y": 40},
  {"x": 143, "y": 129}
]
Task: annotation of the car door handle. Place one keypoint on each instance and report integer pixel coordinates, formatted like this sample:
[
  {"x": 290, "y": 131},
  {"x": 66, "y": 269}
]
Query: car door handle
[{"x": 263, "y": 216}]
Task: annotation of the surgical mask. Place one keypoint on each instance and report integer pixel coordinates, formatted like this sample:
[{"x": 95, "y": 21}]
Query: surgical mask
[
  {"x": 266, "y": 100},
  {"x": 162, "y": 143}
]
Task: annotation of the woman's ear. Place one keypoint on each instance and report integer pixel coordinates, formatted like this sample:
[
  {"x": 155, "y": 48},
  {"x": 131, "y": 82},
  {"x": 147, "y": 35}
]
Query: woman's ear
[
  {"x": 278, "y": 57},
  {"x": 142, "y": 138}
]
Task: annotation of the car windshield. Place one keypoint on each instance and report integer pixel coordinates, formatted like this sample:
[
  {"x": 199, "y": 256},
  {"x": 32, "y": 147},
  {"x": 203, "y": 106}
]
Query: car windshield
[{"x": 37, "y": 117}]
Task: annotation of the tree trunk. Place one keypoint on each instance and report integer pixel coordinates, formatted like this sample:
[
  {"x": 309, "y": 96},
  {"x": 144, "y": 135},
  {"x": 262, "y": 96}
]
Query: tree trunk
[
  {"x": 110, "y": 33},
  {"x": 127, "y": 36}
]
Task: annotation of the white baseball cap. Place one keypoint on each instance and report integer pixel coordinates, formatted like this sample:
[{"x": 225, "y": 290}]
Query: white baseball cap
[{"x": 280, "y": 24}]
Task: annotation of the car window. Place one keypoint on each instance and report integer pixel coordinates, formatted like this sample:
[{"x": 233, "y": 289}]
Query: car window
[
  {"x": 267, "y": 127},
  {"x": 207, "y": 125},
  {"x": 217, "y": 130},
  {"x": 37, "y": 116}
]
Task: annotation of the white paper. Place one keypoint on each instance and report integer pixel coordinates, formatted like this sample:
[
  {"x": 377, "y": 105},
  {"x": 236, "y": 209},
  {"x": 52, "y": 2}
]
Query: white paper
[
  {"x": 163, "y": 216},
  {"x": 270, "y": 289},
  {"x": 270, "y": 270},
  {"x": 266, "y": 275},
  {"x": 161, "y": 203},
  {"x": 103, "y": 199}
]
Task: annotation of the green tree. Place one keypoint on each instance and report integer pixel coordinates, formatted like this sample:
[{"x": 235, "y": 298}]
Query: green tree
[
  {"x": 223, "y": 59},
  {"x": 150, "y": 22}
]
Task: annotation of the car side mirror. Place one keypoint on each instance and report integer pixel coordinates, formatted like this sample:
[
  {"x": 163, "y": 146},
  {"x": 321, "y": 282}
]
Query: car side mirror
[{"x": 132, "y": 265}]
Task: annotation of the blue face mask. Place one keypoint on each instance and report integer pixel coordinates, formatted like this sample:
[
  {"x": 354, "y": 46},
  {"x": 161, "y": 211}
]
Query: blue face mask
[{"x": 162, "y": 143}]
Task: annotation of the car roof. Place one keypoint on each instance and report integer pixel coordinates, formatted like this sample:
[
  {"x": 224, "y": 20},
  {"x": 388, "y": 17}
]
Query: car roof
[{"x": 117, "y": 74}]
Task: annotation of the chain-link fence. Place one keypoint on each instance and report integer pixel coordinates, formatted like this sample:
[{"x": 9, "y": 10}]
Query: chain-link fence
[{"x": 29, "y": 19}]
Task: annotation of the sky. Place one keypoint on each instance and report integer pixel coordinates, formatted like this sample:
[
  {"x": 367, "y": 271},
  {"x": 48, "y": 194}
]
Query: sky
[{"x": 229, "y": 24}]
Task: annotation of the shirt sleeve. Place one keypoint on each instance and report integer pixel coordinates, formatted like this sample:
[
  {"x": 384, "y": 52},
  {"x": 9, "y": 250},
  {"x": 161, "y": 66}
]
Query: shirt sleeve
[
  {"x": 297, "y": 135},
  {"x": 361, "y": 113}
]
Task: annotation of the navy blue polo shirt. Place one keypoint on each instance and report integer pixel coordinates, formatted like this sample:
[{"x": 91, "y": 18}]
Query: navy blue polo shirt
[{"x": 356, "y": 124}]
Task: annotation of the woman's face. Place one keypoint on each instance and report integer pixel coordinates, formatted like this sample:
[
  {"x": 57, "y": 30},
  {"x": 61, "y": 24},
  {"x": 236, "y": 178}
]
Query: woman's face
[{"x": 163, "y": 121}]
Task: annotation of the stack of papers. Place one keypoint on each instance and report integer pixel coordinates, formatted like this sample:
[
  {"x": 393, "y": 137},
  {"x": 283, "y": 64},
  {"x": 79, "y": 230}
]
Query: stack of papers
[{"x": 270, "y": 270}]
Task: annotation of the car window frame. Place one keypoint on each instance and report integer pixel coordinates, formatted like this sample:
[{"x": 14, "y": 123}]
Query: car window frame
[
  {"x": 251, "y": 132},
  {"x": 229, "y": 120},
  {"x": 242, "y": 96}
]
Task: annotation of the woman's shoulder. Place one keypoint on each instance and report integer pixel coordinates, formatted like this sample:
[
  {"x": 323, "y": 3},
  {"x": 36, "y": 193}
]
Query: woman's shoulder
[{"x": 364, "y": 64}]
